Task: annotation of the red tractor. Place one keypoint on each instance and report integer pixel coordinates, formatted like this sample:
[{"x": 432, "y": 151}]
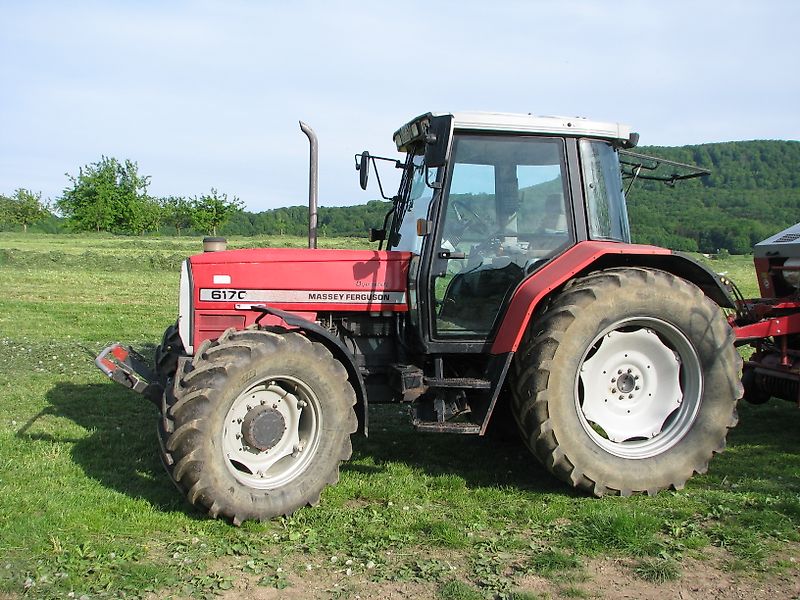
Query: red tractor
[
  {"x": 771, "y": 324},
  {"x": 507, "y": 280}
]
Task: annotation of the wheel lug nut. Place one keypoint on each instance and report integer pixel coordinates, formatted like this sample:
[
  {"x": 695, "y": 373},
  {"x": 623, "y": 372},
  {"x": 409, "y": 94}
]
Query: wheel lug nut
[
  {"x": 614, "y": 391},
  {"x": 275, "y": 405},
  {"x": 629, "y": 371},
  {"x": 622, "y": 397},
  {"x": 613, "y": 379},
  {"x": 637, "y": 388},
  {"x": 619, "y": 372},
  {"x": 630, "y": 395},
  {"x": 249, "y": 407}
]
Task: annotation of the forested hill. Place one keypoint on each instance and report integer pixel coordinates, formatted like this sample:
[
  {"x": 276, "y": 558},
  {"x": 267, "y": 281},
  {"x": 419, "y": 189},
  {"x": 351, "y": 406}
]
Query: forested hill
[{"x": 753, "y": 192}]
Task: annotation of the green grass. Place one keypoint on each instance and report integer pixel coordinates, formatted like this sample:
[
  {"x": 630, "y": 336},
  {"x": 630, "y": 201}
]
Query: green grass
[
  {"x": 657, "y": 570},
  {"x": 86, "y": 508}
]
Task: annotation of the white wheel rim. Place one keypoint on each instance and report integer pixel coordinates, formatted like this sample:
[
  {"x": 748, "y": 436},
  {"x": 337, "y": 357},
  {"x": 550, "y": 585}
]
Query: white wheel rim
[
  {"x": 296, "y": 420},
  {"x": 638, "y": 388}
]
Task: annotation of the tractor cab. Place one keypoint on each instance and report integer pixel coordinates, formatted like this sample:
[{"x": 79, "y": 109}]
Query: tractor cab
[{"x": 486, "y": 200}]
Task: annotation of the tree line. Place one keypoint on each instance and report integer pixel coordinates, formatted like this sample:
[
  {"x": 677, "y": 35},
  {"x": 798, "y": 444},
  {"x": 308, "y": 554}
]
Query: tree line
[
  {"x": 111, "y": 196},
  {"x": 753, "y": 191}
]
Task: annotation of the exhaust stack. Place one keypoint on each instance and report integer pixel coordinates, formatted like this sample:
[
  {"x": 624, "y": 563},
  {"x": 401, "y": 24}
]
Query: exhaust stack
[{"x": 313, "y": 184}]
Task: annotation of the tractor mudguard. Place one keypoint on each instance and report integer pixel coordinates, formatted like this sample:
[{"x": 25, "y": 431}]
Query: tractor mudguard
[
  {"x": 593, "y": 256},
  {"x": 337, "y": 348}
]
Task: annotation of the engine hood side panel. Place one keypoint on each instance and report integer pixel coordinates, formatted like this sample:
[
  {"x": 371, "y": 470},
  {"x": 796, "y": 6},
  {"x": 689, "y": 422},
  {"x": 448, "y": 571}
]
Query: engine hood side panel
[
  {"x": 301, "y": 280},
  {"x": 228, "y": 287}
]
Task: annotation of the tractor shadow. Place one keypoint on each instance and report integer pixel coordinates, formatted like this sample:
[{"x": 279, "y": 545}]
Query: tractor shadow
[
  {"x": 120, "y": 450},
  {"x": 763, "y": 450},
  {"x": 499, "y": 459},
  {"x": 762, "y": 453},
  {"x": 118, "y": 446}
]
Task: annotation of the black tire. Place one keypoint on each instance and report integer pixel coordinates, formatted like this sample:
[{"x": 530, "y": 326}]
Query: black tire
[
  {"x": 755, "y": 392},
  {"x": 167, "y": 354},
  {"x": 298, "y": 402},
  {"x": 560, "y": 392}
]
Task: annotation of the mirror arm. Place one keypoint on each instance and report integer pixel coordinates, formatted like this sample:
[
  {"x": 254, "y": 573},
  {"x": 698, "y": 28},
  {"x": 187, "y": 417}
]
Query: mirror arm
[
  {"x": 378, "y": 177},
  {"x": 371, "y": 159}
]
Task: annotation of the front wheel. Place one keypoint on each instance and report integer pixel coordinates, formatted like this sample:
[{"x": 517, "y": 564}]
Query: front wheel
[
  {"x": 627, "y": 383},
  {"x": 167, "y": 353},
  {"x": 258, "y": 425}
]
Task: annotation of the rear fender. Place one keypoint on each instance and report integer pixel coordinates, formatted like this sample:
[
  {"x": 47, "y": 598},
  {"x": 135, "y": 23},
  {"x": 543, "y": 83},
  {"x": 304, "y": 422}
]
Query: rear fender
[{"x": 585, "y": 257}]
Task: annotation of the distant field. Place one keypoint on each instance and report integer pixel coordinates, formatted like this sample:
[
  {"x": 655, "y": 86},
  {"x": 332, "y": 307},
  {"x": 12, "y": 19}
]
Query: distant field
[
  {"x": 85, "y": 507},
  {"x": 86, "y": 242}
]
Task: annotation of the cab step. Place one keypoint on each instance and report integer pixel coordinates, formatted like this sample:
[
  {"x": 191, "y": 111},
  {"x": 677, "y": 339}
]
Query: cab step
[
  {"x": 446, "y": 427},
  {"x": 462, "y": 383}
]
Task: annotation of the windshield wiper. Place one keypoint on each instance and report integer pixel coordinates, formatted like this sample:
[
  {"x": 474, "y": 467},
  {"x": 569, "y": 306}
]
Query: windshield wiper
[{"x": 652, "y": 168}]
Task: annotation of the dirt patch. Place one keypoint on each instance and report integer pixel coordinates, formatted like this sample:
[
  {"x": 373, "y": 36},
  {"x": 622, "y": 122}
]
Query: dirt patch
[
  {"x": 318, "y": 585},
  {"x": 699, "y": 580},
  {"x": 599, "y": 578}
]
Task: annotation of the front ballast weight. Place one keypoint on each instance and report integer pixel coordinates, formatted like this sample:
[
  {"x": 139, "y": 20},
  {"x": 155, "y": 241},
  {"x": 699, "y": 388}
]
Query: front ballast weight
[{"x": 129, "y": 369}]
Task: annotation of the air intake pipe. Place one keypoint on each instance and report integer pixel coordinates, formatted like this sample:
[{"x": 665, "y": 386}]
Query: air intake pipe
[{"x": 313, "y": 184}]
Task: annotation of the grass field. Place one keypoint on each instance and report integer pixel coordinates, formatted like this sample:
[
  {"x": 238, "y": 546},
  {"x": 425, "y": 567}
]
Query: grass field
[{"x": 85, "y": 508}]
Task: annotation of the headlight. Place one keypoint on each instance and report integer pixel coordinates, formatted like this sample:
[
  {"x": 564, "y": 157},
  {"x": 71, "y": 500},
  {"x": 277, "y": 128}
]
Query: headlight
[
  {"x": 792, "y": 277},
  {"x": 185, "y": 307}
]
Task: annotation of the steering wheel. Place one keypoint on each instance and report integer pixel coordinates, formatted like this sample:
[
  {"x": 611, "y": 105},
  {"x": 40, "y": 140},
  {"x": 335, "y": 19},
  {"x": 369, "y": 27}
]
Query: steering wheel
[{"x": 468, "y": 218}]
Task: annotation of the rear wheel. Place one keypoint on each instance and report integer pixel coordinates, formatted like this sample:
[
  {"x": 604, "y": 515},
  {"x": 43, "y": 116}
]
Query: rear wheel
[
  {"x": 258, "y": 425},
  {"x": 627, "y": 383}
]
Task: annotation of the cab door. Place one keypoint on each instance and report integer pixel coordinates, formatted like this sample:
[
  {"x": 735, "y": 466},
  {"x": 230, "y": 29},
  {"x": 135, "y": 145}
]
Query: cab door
[{"x": 505, "y": 212}]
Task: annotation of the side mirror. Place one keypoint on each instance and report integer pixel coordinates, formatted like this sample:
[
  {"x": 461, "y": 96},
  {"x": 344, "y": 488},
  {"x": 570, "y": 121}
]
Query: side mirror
[
  {"x": 377, "y": 235},
  {"x": 437, "y": 141},
  {"x": 363, "y": 170}
]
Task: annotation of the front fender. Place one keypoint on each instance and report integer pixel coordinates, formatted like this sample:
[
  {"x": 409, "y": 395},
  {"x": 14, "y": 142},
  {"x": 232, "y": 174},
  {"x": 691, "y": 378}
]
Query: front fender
[{"x": 339, "y": 351}]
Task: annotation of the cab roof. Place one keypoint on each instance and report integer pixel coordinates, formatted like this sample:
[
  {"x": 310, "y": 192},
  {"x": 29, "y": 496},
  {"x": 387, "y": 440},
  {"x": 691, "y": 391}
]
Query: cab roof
[
  {"x": 522, "y": 123},
  {"x": 526, "y": 124}
]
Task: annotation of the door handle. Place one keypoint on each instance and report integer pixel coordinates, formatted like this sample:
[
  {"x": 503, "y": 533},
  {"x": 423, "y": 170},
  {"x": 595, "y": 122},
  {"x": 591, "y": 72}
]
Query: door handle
[{"x": 447, "y": 254}]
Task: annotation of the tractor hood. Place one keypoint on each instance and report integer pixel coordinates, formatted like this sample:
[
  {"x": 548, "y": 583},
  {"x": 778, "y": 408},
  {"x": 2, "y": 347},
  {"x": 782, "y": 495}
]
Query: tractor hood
[
  {"x": 225, "y": 289},
  {"x": 301, "y": 279}
]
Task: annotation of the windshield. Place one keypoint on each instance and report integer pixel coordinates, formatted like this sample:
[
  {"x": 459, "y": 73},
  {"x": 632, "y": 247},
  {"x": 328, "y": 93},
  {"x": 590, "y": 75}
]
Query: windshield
[{"x": 413, "y": 203}]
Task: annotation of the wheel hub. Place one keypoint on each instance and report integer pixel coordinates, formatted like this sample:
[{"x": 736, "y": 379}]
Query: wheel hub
[
  {"x": 631, "y": 385},
  {"x": 271, "y": 432},
  {"x": 626, "y": 383},
  {"x": 263, "y": 427}
]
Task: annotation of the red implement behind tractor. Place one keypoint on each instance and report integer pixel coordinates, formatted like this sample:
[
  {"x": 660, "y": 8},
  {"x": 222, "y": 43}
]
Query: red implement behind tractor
[
  {"x": 771, "y": 324},
  {"x": 507, "y": 280}
]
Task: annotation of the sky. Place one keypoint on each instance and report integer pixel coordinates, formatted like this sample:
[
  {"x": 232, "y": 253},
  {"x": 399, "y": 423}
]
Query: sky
[{"x": 209, "y": 93}]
